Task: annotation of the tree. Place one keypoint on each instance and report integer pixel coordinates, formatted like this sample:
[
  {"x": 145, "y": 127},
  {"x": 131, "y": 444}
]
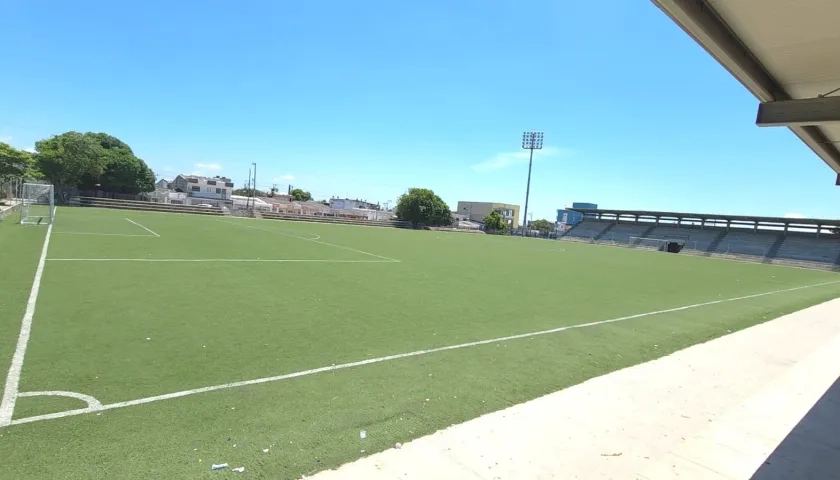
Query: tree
[
  {"x": 544, "y": 226},
  {"x": 299, "y": 195},
  {"x": 248, "y": 192},
  {"x": 421, "y": 206},
  {"x": 93, "y": 161},
  {"x": 67, "y": 160},
  {"x": 16, "y": 163},
  {"x": 495, "y": 223}
]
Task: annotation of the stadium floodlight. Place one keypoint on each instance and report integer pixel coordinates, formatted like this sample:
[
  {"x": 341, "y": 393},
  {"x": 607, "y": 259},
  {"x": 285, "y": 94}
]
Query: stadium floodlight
[
  {"x": 37, "y": 204},
  {"x": 530, "y": 141}
]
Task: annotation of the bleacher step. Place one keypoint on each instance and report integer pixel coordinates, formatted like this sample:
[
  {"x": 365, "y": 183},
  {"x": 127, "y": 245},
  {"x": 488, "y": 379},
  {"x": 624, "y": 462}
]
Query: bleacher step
[
  {"x": 716, "y": 242},
  {"x": 645, "y": 234},
  {"x": 604, "y": 232},
  {"x": 774, "y": 249}
]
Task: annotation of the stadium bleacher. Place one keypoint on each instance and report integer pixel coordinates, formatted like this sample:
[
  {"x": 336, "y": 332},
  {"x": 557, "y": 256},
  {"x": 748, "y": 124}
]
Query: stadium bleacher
[
  {"x": 773, "y": 240},
  {"x": 747, "y": 242},
  {"x": 622, "y": 232},
  {"x": 810, "y": 248}
]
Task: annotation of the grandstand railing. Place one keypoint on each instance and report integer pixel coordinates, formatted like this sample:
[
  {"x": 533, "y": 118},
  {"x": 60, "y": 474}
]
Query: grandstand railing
[{"x": 143, "y": 205}]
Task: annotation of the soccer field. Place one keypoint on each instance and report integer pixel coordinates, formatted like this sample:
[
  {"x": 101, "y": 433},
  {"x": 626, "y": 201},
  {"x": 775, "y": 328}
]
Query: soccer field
[{"x": 163, "y": 343}]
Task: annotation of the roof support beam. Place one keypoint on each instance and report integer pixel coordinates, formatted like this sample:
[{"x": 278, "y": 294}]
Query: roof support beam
[
  {"x": 797, "y": 113},
  {"x": 702, "y": 23}
]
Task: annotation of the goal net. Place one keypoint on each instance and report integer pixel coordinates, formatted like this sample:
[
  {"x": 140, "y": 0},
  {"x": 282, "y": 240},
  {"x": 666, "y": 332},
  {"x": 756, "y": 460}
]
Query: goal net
[
  {"x": 37, "y": 204},
  {"x": 652, "y": 243}
]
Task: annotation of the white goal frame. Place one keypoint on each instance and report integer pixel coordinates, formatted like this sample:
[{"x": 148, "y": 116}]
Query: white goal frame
[
  {"x": 645, "y": 242},
  {"x": 37, "y": 204}
]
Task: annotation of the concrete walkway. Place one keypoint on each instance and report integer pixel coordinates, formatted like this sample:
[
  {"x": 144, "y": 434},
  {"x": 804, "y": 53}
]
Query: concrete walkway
[{"x": 762, "y": 403}]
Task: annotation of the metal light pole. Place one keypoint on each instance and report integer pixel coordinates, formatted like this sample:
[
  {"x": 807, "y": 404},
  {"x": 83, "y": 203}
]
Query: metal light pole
[
  {"x": 248, "y": 187},
  {"x": 530, "y": 141},
  {"x": 254, "y": 203}
]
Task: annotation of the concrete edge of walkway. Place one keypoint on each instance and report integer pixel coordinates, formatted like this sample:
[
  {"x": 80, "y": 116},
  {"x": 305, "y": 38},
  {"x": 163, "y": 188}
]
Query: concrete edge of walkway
[{"x": 716, "y": 410}]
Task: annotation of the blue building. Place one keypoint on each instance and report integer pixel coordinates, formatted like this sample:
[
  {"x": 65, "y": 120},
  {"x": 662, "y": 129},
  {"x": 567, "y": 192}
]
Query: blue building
[{"x": 568, "y": 218}]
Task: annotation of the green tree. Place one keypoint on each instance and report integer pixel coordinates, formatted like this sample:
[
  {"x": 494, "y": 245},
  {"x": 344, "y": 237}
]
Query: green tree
[
  {"x": 495, "y": 223},
  {"x": 299, "y": 195},
  {"x": 544, "y": 226},
  {"x": 249, "y": 192},
  {"x": 93, "y": 160},
  {"x": 421, "y": 206},
  {"x": 69, "y": 159},
  {"x": 16, "y": 163}
]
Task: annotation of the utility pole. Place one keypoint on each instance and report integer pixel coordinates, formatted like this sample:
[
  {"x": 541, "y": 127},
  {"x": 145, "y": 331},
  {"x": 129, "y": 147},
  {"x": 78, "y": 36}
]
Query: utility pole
[
  {"x": 530, "y": 141},
  {"x": 248, "y": 187},
  {"x": 254, "y": 203}
]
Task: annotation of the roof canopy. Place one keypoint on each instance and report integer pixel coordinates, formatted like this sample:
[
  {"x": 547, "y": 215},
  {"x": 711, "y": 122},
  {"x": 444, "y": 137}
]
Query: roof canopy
[
  {"x": 708, "y": 216},
  {"x": 784, "y": 52}
]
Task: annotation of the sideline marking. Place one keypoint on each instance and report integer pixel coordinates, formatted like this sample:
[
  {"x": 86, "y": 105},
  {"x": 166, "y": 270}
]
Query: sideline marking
[
  {"x": 316, "y": 241},
  {"x": 103, "y": 234},
  {"x": 10, "y": 391},
  {"x": 253, "y": 260},
  {"x": 416, "y": 353},
  {"x": 144, "y": 228}
]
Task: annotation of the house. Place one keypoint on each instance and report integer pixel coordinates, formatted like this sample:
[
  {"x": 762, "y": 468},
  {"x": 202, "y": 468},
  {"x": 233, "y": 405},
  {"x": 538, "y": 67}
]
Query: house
[
  {"x": 348, "y": 204},
  {"x": 476, "y": 211},
  {"x": 162, "y": 184},
  {"x": 215, "y": 188}
]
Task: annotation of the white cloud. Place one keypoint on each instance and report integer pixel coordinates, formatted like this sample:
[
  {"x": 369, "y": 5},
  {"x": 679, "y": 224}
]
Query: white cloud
[
  {"x": 287, "y": 178},
  {"x": 794, "y": 215},
  {"x": 29, "y": 149},
  {"x": 507, "y": 159},
  {"x": 6, "y": 140},
  {"x": 215, "y": 167}
]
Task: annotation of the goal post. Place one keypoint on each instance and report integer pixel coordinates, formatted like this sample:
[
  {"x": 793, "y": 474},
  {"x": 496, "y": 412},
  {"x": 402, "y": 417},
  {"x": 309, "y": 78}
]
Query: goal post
[
  {"x": 37, "y": 204},
  {"x": 654, "y": 243}
]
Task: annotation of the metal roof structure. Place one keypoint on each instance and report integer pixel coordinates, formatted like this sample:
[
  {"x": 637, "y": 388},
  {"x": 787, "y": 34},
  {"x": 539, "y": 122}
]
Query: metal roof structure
[
  {"x": 709, "y": 216},
  {"x": 783, "y": 51}
]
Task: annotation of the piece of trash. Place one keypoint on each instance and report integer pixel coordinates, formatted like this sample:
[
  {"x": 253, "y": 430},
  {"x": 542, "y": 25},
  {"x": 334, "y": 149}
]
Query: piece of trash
[
  {"x": 611, "y": 454},
  {"x": 265, "y": 450},
  {"x": 363, "y": 434},
  {"x": 361, "y": 451},
  {"x": 238, "y": 469},
  {"x": 398, "y": 445},
  {"x": 148, "y": 338},
  {"x": 218, "y": 466},
  {"x": 234, "y": 445}
]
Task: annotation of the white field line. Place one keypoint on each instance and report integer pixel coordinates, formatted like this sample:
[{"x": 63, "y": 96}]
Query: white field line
[
  {"x": 331, "y": 368},
  {"x": 211, "y": 260},
  {"x": 92, "y": 402},
  {"x": 10, "y": 391},
  {"x": 315, "y": 241},
  {"x": 144, "y": 228},
  {"x": 102, "y": 234}
]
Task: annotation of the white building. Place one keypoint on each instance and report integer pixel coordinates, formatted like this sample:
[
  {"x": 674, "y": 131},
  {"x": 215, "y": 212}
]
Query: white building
[
  {"x": 348, "y": 204},
  {"x": 215, "y": 188}
]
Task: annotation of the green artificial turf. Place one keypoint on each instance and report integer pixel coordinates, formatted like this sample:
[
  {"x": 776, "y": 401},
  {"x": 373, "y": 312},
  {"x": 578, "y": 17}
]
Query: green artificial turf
[{"x": 121, "y": 331}]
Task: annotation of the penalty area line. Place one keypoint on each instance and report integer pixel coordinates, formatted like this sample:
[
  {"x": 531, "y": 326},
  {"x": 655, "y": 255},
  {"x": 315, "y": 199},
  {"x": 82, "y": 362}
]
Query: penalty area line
[
  {"x": 144, "y": 228},
  {"x": 416, "y": 353},
  {"x": 10, "y": 391}
]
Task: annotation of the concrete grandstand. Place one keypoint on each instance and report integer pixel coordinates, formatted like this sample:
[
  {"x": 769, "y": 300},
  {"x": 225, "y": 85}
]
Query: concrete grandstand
[{"x": 804, "y": 242}]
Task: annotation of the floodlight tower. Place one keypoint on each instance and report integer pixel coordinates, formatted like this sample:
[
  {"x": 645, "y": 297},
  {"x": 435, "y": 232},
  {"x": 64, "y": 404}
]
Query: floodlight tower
[{"x": 530, "y": 141}]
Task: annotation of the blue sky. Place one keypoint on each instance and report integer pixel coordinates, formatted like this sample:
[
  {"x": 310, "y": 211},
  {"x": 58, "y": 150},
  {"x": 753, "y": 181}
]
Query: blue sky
[{"x": 367, "y": 98}]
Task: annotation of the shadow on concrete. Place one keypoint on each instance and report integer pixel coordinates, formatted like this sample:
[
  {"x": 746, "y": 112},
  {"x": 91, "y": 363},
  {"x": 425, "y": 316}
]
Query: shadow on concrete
[{"x": 812, "y": 449}]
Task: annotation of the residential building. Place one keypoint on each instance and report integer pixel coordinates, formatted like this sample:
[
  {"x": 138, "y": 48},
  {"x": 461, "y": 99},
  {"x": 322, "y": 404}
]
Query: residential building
[
  {"x": 476, "y": 211},
  {"x": 162, "y": 184},
  {"x": 216, "y": 188},
  {"x": 348, "y": 204}
]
